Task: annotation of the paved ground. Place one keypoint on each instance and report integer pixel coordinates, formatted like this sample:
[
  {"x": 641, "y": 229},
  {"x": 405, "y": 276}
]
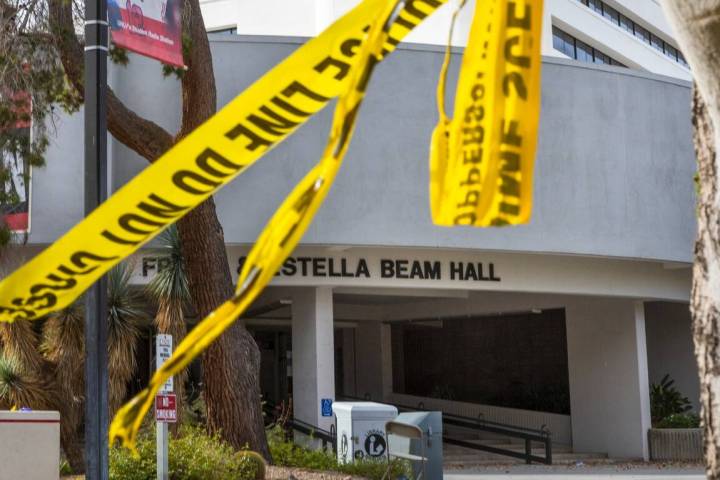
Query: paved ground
[{"x": 631, "y": 471}]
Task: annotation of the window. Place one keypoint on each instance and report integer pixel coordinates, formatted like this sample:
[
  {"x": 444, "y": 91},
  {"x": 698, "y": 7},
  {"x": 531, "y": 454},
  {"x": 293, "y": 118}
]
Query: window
[
  {"x": 627, "y": 24},
  {"x": 563, "y": 42},
  {"x": 579, "y": 50},
  {"x": 596, "y": 6},
  {"x": 657, "y": 43},
  {"x": 640, "y": 32},
  {"x": 611, "y": 14},
  {"x": 583, "y": 52},
  {"x": 681, "y": 60}
]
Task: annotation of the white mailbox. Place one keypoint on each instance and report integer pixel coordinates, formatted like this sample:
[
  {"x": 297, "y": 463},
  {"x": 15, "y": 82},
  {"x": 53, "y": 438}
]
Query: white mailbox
[{"x": 361, "y": 429}]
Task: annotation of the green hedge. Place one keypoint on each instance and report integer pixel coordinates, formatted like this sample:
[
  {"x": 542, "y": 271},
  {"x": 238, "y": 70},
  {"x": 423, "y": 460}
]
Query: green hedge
[
  {"x": 288, "y": 454},
  {"x": 195, "y": 455}
]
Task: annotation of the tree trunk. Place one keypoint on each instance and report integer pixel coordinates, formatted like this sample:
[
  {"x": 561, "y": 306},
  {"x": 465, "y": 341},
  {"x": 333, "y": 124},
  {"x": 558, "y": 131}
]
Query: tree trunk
[
  {"x": 705, "y": 300},
  {"x": 697, "y": 24},
  {"x": 231, "y": 365}
]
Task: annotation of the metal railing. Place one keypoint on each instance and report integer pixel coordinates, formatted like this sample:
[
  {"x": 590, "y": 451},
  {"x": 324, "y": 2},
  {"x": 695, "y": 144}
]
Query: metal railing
[
  {"x": 290, "y": 424},
  {"x": 528, "y": 435}
]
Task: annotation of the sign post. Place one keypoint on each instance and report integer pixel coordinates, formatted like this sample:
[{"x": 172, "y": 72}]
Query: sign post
[
  {"x": 96, "y": 374},
  {"x": 165, "y": 406}
]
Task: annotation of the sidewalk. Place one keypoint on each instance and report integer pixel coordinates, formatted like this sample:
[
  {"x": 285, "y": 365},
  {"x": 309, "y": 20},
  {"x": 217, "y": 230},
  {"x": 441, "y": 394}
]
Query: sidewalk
[{"x": 631, "y": 471}]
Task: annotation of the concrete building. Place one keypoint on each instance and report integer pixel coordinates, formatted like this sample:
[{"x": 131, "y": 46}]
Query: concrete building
[
  {"x": 632, "y": 33},
  {"x": 563, "y": 322}
]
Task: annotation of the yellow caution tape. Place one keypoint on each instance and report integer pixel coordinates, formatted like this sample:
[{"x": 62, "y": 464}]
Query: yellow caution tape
[
  {"x": 280, "y": 235},
  {"x": 481, "y": 162},
  {"x": 201, "y": 164}
]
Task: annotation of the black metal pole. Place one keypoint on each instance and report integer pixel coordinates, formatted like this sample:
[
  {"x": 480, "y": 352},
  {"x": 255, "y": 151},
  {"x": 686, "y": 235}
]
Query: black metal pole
[{"x": 96, "y": 377}]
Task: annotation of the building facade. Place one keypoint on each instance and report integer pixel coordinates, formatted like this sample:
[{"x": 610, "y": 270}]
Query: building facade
[{"x": 562, "y": 322}]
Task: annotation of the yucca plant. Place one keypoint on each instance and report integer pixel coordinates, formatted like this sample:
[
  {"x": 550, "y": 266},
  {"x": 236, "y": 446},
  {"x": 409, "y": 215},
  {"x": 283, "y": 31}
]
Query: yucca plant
[
  {"x": 20, "y": 388},
  {"x": 63, "y": 345},
  {"x": 170, "y": 290},
  {"x": 124, "y": 312},
  {"x": 19, "y": 342}
]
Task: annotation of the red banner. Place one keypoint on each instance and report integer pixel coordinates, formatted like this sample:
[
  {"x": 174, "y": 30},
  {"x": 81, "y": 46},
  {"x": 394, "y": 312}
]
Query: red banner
[
  {"x": 148, "y": 27},
  {"x": 15, "y": 188}
]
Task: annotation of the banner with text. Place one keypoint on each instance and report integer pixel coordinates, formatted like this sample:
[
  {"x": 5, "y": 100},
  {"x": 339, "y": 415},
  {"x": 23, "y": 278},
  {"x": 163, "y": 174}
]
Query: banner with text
[{"x": 148, "y": 27}]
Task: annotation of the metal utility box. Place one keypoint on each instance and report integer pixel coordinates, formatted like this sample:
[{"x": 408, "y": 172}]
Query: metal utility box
[
  {"x": 29, "y": 445},
  {"x": 431, "y": 425},
  {"x": 361, "y": 429}
]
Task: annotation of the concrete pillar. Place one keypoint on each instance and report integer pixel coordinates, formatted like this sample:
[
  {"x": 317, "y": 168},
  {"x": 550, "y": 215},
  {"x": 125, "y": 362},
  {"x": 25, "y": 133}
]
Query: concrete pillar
[
  {"x": 607, "y": 363},
  {"x": 313, "y": 358}
]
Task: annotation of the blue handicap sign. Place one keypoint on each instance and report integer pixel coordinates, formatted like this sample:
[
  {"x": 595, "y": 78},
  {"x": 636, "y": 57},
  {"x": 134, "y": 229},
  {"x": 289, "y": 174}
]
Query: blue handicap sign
[{"x": 326, "y": 407}]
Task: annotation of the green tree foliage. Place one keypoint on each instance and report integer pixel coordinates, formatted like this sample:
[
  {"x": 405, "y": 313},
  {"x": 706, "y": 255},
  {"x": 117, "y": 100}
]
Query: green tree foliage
[{"x": 32, "y": 86}]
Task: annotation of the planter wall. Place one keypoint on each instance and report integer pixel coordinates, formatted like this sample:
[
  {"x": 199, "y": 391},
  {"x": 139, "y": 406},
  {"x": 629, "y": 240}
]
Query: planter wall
[{"x": 675, "y": 443}]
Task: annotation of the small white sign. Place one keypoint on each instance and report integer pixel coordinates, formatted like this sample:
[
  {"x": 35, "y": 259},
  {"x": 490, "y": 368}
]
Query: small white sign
[{"x": 163, "y": 349}]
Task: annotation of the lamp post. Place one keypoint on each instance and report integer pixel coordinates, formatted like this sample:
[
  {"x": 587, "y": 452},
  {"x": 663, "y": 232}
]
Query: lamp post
[{"x": 96, "y": 374}]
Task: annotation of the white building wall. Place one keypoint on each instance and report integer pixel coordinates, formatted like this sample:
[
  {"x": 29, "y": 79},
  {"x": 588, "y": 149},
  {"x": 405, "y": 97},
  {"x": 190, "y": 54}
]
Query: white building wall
[{"x": 307, "y": 18}]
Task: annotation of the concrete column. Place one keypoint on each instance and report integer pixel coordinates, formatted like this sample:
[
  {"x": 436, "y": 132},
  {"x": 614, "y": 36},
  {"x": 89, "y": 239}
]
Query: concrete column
[
  {"x": 313, "y": 359},
  {"x": 607, "y": 363}
]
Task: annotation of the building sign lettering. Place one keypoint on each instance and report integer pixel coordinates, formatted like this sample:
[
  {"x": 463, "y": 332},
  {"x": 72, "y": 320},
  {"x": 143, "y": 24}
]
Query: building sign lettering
[{"x": 382, "y": 268}]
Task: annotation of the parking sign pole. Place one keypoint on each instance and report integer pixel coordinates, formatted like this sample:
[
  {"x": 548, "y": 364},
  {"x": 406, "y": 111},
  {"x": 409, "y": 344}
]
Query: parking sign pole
[
  {"x": 96, "y": 376},
  {"x": 163, "y": 350}
]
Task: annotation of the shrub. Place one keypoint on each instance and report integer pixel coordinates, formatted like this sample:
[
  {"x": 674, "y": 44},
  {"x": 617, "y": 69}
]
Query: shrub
[
  {"x": 666, "y": 400},
  {"x": 679, "y": 420},
  {"x": 195, "y": 455},
  {"x": 287, "y": 454}
]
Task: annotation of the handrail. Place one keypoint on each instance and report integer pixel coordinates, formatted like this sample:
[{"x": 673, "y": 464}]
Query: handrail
[
  {"x": 541, "y": 435},
  {"x": 308, "y": 429}
]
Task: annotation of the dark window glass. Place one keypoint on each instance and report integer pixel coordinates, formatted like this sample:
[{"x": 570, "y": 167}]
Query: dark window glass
[
  {"x": 656, "y": 42},
  {"x": 671, "y": 52},
  {"x": 601, "y": 58},
  {"x": 629, "y": 26},
  {"x": 611, "y": 14},
  {"x": 642, "y": 33},
  {"x": 563, "y": 42},
  {"x": 626, "y": 24},
  {"x": 579, "y": 50},
  {"x": 584, "y": 51},
  {"x": 682, "y": 60},
  {"x": 616, "y": 63}
]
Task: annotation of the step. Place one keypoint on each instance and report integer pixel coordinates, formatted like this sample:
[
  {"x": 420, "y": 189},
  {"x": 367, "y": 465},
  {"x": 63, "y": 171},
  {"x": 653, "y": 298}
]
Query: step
[{"x": 489, "y": 458}]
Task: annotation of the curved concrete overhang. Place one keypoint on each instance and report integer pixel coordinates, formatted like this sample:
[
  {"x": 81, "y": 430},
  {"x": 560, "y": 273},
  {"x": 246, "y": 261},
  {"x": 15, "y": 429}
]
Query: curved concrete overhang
[{"x": 613, "y": 176}]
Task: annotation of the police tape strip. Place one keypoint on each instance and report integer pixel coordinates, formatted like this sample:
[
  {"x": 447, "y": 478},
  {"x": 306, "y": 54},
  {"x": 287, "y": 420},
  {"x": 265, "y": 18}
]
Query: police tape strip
[
  {"x": 278, "y": 238},
  {"x": 481, "y": 161},
  {"x": 202, "y": 163}
]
